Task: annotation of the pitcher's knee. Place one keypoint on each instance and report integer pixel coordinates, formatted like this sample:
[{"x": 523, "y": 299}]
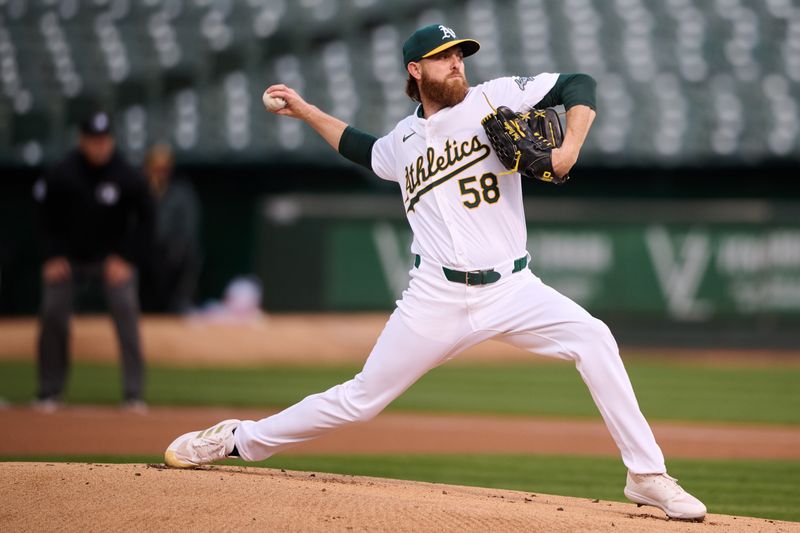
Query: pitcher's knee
[
  {"x": 364, "y": 411},
  {"x": 360, "y": 406},
  {"x": 596, "y": 333}
]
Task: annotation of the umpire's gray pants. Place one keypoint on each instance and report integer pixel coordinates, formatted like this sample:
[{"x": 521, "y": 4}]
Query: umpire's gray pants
[{"x": 57, "y": 299}]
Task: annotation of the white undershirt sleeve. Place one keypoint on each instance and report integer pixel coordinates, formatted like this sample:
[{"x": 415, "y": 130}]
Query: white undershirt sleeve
[{"x": 383, "y": 157}]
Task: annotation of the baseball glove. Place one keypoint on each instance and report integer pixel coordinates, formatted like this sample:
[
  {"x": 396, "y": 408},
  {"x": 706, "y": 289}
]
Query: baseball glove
[{"x": 523, "y": 141}]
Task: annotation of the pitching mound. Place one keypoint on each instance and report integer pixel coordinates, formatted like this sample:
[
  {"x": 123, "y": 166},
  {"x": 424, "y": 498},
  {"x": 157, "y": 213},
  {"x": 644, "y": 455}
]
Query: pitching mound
[{"x": 94, "y": 497}]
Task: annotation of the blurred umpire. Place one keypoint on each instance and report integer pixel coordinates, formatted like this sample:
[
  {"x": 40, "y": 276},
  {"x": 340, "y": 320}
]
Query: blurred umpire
[{"x": 96, "y": 220}]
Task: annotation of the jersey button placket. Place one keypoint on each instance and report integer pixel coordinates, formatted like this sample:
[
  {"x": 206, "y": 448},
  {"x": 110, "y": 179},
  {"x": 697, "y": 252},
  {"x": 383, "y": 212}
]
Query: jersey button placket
[
  {"x": 445, "y": 199},
  {"x": 456, "y": 230},
  {"x": 440, "y": 196}
]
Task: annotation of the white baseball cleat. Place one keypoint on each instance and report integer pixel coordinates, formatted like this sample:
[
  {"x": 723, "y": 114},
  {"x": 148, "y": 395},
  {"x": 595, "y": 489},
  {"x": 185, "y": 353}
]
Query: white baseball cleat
[
  {"x": 202, "y": 447},
  {"x": 663, "y": 491}
]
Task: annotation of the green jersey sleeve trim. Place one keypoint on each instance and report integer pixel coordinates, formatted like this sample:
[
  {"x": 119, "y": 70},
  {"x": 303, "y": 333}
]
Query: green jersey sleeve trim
[
  {"x": 356, "y": 146},
  {"x": 571, "y": 90}
]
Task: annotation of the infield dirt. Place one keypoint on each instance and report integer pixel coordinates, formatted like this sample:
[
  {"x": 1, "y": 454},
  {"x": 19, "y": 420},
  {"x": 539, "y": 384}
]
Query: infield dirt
[
  {"x": 101, "y": 497},
  {"x": 296, "y": 339},
  {"x": 103, "y": 430}
]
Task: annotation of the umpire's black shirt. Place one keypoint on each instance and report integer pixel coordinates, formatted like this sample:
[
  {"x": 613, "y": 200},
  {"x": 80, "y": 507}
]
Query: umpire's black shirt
[{"x": 88, "y": 213}]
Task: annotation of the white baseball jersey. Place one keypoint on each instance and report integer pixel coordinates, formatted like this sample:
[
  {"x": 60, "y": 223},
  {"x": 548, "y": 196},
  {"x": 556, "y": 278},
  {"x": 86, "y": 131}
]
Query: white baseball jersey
[{"x": 463, "y": 213}]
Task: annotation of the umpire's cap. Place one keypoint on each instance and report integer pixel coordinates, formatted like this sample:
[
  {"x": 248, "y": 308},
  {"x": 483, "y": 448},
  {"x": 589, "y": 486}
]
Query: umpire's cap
[
  {"x": 432, "y": 39},
  {"x": 97, "y": 123}
]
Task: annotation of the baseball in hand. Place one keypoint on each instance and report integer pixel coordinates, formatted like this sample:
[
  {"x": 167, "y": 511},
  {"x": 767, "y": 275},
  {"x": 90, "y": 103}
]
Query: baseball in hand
[{"x": 273, "y": 103}]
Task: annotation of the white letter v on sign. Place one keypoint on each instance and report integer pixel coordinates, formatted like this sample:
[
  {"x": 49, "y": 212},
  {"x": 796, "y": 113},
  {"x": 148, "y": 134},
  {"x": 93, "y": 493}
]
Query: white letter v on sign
[{"x": 680, "y": 272}]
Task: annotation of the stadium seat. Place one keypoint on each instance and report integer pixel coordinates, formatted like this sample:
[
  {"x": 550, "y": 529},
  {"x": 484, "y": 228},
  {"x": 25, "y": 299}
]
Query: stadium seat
[{"x": 678, "y": 80}]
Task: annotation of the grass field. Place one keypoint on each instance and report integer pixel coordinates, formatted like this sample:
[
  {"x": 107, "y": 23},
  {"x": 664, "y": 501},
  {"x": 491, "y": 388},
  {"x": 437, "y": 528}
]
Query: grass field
[
  {"x": 665, "y": 390},
  {"x": 766, "y": 489}
]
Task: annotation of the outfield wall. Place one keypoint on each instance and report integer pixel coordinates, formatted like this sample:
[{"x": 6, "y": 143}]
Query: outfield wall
[{"x": 692, "y": 263}]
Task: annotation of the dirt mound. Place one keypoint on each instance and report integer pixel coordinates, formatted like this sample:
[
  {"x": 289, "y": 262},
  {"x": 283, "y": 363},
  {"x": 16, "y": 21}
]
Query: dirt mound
[{"x": 94, "y": 497}]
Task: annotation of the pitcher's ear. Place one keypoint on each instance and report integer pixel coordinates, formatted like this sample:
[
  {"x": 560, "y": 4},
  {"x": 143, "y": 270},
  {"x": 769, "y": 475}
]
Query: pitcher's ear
[{"x": 414, "y": 70}]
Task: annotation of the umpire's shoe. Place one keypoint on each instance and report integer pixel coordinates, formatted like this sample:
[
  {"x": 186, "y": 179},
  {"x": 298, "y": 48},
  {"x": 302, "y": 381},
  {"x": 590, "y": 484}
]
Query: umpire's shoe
[
  {"x": 663, "y": 491},
  {"x": 202, "y": 447}
]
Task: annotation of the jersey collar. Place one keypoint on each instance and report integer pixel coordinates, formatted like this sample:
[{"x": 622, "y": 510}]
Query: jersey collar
[{"x": 420, "y": 113}]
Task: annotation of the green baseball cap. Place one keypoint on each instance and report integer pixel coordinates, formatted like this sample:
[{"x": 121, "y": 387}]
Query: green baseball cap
[{"x": 432, "y": 39}]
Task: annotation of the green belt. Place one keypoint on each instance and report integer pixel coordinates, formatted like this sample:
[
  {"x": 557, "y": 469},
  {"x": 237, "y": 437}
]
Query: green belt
[{"x": 477, "y": 277}]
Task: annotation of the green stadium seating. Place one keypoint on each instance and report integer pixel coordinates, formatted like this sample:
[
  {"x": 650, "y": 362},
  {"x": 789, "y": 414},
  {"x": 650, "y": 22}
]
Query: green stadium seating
[{"x": 679, "y": 81}]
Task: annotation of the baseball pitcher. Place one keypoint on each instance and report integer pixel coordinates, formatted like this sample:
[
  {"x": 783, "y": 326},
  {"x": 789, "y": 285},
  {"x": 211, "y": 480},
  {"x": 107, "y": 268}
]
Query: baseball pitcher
[{"x": 459, "y": 160}]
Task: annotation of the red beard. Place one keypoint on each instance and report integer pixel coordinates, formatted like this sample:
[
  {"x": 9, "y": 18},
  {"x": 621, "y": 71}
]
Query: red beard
[{"x": 445, "y": 93}]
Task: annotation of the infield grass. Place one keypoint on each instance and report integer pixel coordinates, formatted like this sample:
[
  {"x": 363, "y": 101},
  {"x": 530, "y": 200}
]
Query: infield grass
[
  {"x": 767, "y": 489},
  {"x": 665, "y": 390}
]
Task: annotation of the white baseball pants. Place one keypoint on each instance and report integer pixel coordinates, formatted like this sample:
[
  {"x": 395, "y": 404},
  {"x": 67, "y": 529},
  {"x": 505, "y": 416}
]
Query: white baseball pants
[{"x": 435, "y": 320}]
